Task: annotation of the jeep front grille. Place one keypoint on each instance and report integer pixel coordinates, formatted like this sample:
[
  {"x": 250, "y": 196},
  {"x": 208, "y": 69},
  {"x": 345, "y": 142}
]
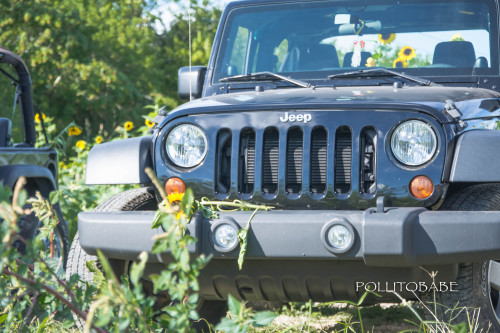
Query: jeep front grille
[{"x": 301, "y": 164}]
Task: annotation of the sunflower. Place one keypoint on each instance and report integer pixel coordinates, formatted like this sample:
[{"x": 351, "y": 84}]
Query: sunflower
[
  {"x": 62, "y": 165},
  {"x": 407, "y": 53},
  {"x": 37, "y": 117},
  {"x": 74, "y": 131},
  {"x": 457, "y": 38},
  {"x": 175, "y": 197},
  {"x": 370, "y": 62},
  {"x": 149, "y": 123},
  {"x": 80, "y": 144},
  {"x": 399, "y": 63},
  {"x": 98, "y": 139},
  {"x": 129, "y": 125},
  {"x": 386, "y": 38}
]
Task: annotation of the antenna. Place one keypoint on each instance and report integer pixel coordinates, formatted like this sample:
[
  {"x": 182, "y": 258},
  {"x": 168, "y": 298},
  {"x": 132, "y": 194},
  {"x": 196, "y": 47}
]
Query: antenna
[{"x": 190, "y": 74}]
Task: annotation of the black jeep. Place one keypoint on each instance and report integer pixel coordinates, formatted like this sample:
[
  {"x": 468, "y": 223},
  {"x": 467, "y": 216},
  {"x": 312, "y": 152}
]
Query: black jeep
[
  {"x": 371, "y": 126},
  {"x": 20, "y": 158}
]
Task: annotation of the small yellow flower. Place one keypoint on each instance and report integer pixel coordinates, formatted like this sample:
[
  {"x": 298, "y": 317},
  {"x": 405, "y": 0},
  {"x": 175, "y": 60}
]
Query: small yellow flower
[
  {"x": 74, "y": 131},
  {"x": 98, "y": 139},
  {"x": 62, "y": 165},
  {"x": 386, "y": 38},
  {"x": 149, "y": 123},
  {"x": 457, "y": 38},
  {"x": 399, "y": 63},
  {"x": 175, "y": 197},
  {"x": 370, "y": 62},
  {"x": 129, "y": 125},
  {"x": 37, "y": 117},
  {"x": 407, "y": 53},
  {"x": 80, "y": 144}
]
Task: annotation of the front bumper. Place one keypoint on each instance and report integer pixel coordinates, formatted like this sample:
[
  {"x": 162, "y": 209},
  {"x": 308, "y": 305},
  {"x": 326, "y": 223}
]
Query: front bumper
[{"x": 391, "y": 237}]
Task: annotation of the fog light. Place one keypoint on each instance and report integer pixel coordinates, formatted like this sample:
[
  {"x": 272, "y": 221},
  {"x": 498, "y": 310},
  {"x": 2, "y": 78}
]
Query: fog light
[
  {"x": 338, "y": 236},
  {"x": 421, "y": 187},
  {"x": 225, "y": 236},
  {"x": 174, "y": 185}
]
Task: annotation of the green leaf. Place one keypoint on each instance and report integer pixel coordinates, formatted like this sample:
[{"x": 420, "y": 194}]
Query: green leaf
[
  {"x": 187, "y": 202},
  {"x": 160, "y": 246},
  {"x": 243, "y": 239},
  {"x": 54, "y": 197},
  {"x": 108, "y": 271},
  {"x": 5, "y": 193},
  {"x": 184, "y": 260},
  {"x": 137, "y": 269},
  {"x": 156, "y": 219},
  {"x": 226, "y": 325},
  {"x": 23, "y": 196},
  {"x": 234, "y": 305},
  {"x": 3, "y": 317},
  {"x": 263, "y": 318},
  {"x": 460, "y": 328}
]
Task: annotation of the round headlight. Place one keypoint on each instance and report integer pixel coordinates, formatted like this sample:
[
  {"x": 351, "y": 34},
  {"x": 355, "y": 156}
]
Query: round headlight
[
  {"x": 414, "y": 143},
  {"x": 186, "y": 145}
]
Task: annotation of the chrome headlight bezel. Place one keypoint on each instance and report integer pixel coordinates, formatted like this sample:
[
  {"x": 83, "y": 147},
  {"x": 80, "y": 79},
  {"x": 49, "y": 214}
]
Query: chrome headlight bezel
[
  {"x": 170, "y": 151},
  {"x": 427, "y": 154}
]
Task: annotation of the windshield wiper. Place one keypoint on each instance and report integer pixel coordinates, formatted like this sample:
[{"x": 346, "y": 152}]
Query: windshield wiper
[
  {"x": 378, "y": 72},
  {"x": 265, "y": 76}
]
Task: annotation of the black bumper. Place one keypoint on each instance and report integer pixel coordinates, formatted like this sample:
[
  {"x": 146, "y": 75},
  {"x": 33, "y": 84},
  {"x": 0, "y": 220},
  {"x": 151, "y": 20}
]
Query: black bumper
[{"x": 397, "y": 237}]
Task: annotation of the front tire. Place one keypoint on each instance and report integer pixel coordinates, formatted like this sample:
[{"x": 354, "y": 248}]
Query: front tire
[{"x": 478, "y": 283}]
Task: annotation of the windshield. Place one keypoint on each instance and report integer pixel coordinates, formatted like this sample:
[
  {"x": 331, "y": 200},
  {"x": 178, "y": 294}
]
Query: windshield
[{"x": 316, "y": 38}]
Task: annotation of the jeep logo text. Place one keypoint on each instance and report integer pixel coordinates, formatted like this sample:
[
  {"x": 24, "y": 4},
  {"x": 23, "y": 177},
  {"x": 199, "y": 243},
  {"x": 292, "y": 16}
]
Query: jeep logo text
[{"x": 299, "y": 117}]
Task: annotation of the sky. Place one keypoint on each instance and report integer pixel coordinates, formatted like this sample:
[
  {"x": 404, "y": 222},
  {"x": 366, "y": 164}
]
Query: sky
[{"x": 168, "y": 9}]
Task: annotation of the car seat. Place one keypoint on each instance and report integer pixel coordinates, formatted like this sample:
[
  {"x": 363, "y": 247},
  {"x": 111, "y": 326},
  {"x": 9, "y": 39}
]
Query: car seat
[
  {"x": 455, "y": 54},
  {"x": 318, "y": 57}
]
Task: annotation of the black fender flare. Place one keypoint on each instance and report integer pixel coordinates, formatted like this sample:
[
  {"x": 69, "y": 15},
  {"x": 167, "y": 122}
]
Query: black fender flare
[
  {"x": 120, "y": 162},
  {"x": 477, "y": 157},
  {"x": 39, "y": 178}
]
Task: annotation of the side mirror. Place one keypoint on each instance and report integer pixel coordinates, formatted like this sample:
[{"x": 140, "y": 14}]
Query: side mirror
[{"x": 190, "y": 83}]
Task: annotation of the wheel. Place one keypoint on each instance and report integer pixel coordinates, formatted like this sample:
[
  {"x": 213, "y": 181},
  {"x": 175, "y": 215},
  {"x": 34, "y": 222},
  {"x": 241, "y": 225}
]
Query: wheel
[
  {"x": 57, "y": 245},
  {"x": 478, "y": 284},
  {"x": 132, "y": 200}
]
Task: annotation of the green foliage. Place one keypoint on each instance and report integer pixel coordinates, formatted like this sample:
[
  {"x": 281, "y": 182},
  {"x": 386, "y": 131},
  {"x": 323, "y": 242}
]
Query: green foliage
[
  {"x": 240, "y": 318},
  {"x": 97, "y": 62}
]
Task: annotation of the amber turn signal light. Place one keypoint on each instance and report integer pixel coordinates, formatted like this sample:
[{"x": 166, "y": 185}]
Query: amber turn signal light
[
  {"x": 174, "y": 185},
  {"x": 421, "y": 187}
]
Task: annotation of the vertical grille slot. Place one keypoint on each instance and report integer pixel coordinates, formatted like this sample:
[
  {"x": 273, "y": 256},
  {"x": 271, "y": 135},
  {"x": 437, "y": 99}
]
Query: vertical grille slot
[
  {"x": 270, "y": 161},
  {"x": 294, "y": 156},
  {"x": 246, "y": 169},
  {"x": 368, "y": 146},
  {"x": 223, "y": 162},
  {"x": 318, "y": 160},
  {"x": 343, "y": 160}
]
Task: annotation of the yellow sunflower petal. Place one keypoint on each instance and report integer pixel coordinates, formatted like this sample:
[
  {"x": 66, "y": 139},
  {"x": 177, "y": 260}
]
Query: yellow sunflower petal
[
  {"x": 399, "y": 63},
  {"x": 173, "y": 197},
  {"x": 98, "y": 139},
  {"x": 80, "y": 144},
  {"x": 407, "y": 53},
  {"x": 149, "y": 123},
  {"x": 386, "y": 38},
  {"x": 74, "y": 131},
  {"x": 128, "y": 125}
]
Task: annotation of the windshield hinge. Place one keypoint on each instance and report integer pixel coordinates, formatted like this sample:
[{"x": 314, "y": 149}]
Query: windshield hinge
[{"x": 451, "y": 109}]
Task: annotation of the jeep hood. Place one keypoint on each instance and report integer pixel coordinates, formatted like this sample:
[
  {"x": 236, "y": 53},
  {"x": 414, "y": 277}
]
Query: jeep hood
[{"x": 473, "y": 103}]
